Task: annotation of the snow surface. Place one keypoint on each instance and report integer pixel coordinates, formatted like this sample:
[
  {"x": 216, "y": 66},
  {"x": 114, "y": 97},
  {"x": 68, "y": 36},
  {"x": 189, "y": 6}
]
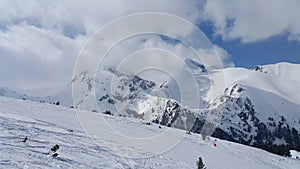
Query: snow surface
[
  {"x": 273, "y": 92},
  {"x": 295, "y": 154},
  {"x": 46, "y": 125},
  {"x": 281, "y": 80}
]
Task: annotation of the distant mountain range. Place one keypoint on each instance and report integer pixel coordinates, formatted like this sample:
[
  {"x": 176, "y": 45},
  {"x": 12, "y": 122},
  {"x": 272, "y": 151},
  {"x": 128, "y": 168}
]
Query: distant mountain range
[{"x": 259, "y": 107}]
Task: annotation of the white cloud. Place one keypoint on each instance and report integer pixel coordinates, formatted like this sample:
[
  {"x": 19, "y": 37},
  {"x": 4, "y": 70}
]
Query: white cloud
[
  {"x": 214, "y": 56},
  {"x": 224, "y": 56},
  {"x": 40, "y": 40},
  {"x": 33, "y": 57},
  {"x": 88, "y": 17},
  {"x": 254, "y": 20}
]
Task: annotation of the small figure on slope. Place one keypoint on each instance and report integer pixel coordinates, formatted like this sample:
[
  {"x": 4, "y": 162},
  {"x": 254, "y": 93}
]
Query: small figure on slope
[
  {"x": 54, "y": 155},
  {"x": 53, "y": 150},
  {"x": 25, "y": 139}
]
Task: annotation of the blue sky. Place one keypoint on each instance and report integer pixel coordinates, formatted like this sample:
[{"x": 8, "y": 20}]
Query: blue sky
[
  {"x": 40, "y": 40},
  {"x": 269, "y": 51}
]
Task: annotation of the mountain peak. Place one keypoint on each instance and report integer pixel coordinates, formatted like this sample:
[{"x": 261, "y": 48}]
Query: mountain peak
[{"x": 234, "y": 90}]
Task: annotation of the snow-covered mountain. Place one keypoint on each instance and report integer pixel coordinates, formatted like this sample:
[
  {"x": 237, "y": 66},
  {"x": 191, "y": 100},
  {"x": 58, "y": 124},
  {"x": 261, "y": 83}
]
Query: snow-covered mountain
[
  {"x": 135, "y": 97},
  {"x": 62, "y": 97},
  {"x": 46, "y": 125},
  {"x": 259, "y": 107}
]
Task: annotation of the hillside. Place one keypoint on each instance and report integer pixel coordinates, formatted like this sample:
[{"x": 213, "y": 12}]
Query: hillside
[
  {"x": 258, "y": 107},
  {"x": 46, "y": 125}
]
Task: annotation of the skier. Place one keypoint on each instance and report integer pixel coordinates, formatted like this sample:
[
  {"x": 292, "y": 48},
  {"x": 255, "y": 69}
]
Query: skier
[
  {"x": 54, "y": 155},
  {"x": 54, "y": 148},
  {"x": 25, "y": 139}
]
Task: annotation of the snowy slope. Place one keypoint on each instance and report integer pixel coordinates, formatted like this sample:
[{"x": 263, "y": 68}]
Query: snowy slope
[
  {"x": 257, "y": 107},
  {"x": 283, "y": 70},
  {"x": 46, "y": 125},
  {"x": 275, "y": 91},
  {"x": 295, "y": 154},
  {"x": 62, "y": 96},
  {"x": 260, "y": 107}
]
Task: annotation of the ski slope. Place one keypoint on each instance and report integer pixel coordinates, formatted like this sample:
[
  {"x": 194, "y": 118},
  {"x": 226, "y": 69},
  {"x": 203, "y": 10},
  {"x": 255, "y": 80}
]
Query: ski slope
[{"x": 46, "y": 125}]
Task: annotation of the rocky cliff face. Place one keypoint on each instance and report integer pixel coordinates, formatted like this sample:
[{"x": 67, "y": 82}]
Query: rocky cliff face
[
  {"x": 259, "y": 108},
  {"x": 242, "y": 122},
  {"x": 236, "y": 115}
]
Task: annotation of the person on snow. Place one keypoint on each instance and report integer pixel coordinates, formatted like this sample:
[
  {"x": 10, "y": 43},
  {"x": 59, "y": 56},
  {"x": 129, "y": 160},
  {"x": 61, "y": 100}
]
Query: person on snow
[
  {"x": 25, "y": 139},
  {"x": 54, "y": 148}
]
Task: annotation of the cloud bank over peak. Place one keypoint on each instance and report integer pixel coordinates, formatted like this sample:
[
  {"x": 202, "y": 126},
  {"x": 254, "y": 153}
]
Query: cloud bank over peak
[
  {"x": 255, "y": 20},
  {"x": 40, "y": 40}
]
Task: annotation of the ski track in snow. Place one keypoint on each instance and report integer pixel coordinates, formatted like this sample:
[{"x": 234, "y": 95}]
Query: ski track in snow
[
  {"x": 46, "y": 125},
  {"x": 76, "y": 149}
]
